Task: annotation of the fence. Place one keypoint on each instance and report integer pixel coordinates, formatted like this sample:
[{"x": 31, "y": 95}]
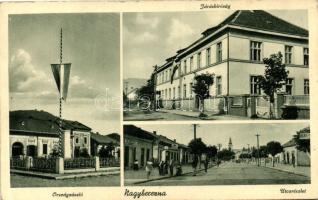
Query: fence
[
  {"x": 79, "y": 163},
  {"x": 43, "y": 164},
  {"x": 17, "y": 163},
  {"x": 296, "y": 100},
  {"x": 108, "y": 162}
]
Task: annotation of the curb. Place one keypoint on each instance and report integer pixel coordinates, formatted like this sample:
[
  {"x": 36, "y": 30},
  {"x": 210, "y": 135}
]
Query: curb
[
  {"x": 290, "y": 172},
  {"x": 65, "y": 176},
  {"x": 165, "y": 177}
]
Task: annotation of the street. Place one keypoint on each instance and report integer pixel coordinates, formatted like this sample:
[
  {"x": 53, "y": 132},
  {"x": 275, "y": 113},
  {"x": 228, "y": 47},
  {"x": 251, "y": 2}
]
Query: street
[
  {"x": 234, "y": 174},
  {"x": 29, "y": 181},
  {"x": 153, "y": 116}
]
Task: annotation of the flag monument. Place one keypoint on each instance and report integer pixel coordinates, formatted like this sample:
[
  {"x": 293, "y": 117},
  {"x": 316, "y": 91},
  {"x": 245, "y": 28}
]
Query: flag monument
[{"x": 61, "y": 73}]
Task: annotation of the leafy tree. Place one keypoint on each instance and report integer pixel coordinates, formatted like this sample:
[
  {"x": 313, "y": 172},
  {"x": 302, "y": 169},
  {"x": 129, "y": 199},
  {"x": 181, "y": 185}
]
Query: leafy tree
[
  {"x": 274, "y": 77},
  {"x": 274, "y": 148},
  {"x": 146, "y": 93},
  {"x": 211, "y": 151},
  {"x": 197, "y": 147},
  {"x": 106, "y": 151},
  {"x": 201, "y": 87},
  {"x": 225, "y": 154},
  {"x": 302, "y": 144}
]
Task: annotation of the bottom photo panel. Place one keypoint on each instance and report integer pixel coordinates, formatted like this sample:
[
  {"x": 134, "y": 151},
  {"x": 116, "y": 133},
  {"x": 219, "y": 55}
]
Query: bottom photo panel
[{"x": 216, "y": 154}]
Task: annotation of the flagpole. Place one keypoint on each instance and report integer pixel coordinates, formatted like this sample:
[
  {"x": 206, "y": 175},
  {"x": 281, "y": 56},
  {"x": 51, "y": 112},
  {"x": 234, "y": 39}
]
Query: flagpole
[{"x": 61, "y": 152}]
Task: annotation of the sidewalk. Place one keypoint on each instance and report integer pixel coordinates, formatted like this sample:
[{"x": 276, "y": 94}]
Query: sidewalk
[
  {"x": 108, "y": 171},
  {"x": 299, "y": 170},
  {"x": 140, "y": 176},
  {"x": 211, "y": 115}
]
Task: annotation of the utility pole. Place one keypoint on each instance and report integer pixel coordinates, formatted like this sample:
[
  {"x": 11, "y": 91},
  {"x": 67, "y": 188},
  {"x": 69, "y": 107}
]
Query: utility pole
[
  {"x": 195, "y": 131},
  {"x": 258, "y": 155}
]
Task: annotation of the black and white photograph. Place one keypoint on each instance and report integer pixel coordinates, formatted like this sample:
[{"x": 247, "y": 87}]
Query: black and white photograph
[
  {"x": 220, "y": 65},
  {"x": 217, "y": 154},
  {"x": 63, "y": 87}
]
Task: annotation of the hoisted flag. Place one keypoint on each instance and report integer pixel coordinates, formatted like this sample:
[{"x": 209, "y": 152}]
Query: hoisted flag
[{"x": 61, "y": 73}]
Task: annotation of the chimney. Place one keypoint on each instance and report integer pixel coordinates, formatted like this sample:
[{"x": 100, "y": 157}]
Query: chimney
[{"x": 155, "y": 132}]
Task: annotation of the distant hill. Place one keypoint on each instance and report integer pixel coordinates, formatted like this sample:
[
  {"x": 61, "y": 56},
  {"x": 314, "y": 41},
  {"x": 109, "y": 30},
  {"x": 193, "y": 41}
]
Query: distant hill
[{"x": 133, "y": 83}]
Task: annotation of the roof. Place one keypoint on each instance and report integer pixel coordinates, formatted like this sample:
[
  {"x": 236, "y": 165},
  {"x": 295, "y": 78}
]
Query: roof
[
  {"x": 138, "y": 132},
  {"x": 255, "y": 19},
  {"x": 115, "y": 136},
  {"x": 41, "y": 122},
  {"x": 304, "y": 130},
  {"x": 290, "y": 143},
  {"x": 103, "y": 139}
]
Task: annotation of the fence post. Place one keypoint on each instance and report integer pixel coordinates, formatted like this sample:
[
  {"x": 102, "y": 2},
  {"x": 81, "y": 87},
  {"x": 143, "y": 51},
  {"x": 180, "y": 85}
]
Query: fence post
[
  {"x": 279, "y": 103},
  {"x": 59, "y": 168},
  {"x": 28, "y": 162},
  {"x": 96, "y": 163}
]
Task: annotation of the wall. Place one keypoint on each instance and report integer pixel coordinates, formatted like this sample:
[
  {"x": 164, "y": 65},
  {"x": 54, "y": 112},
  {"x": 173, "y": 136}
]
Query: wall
[{"x": 34, "y": 140}]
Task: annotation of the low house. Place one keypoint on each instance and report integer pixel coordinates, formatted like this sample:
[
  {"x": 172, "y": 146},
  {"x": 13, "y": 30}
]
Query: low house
[
  {"x": 99, "y": 141},
  {"x": 138, "y": 146},
  {"x": 36, "y": 133},
  {"x": 292, "y": 155}
]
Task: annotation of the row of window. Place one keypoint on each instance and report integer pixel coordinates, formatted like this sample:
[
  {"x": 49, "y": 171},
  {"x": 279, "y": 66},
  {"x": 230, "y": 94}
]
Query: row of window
[
  {"x": 289, "y": 86},
  {"x": 166, "y": 74},
  {"x": 169, "y": 93},
  {"x": 256, "y": 53}
]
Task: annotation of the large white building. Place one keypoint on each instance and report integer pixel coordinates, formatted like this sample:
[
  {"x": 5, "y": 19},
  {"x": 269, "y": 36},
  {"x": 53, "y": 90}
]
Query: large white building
[{"x": 233, "y": 51}]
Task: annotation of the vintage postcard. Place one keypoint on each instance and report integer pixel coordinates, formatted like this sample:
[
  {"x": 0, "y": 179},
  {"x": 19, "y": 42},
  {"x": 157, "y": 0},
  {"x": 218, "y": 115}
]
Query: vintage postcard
[{"x": 158, "y": 100}]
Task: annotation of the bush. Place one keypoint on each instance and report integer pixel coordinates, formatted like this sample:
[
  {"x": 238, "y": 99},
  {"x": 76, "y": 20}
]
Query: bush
[{"x": 290, "y": 112}]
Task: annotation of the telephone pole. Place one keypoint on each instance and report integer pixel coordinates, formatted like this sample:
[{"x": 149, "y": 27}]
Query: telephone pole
[
  {"x": 258, "y": 155},
  {"x": 195, "y": 131}
]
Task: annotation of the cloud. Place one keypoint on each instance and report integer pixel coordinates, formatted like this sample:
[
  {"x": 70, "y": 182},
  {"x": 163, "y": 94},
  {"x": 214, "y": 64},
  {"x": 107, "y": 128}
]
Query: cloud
[
  {"x": 180, "y": 33},
  {"x": 151, "y": 22},
  {"x": 80, "y": 88},
  {"x": 24, "y": 77}
]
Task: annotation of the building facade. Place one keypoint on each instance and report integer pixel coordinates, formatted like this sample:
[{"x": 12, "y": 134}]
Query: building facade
[
  {"x": 233, "y": 51},
  {"x": 35, "y": 133}
]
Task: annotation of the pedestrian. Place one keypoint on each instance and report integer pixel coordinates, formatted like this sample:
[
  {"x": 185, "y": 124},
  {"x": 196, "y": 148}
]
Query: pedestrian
[
  {"x": 136, "y": 165},
  {"x": 194, "y": 165},
  {"x": 206, "y": 163},
  {"x": 165, "y": 168},
  {"x": 161, "y": 170},
  {"x": 171, "y": 166},
  {"x": 148, "y": 168},
  {"x": 179, "y": 169}
]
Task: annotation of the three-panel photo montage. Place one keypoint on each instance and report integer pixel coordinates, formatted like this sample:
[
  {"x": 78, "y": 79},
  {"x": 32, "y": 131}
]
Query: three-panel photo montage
[{"x": 218, "y": 97}]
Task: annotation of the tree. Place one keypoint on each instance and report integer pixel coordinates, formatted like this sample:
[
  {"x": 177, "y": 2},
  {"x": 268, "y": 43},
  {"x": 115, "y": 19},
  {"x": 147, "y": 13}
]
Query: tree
[
  {"x": 274, "y": 78},
  {"x": 146, "y": 93},
  {"x": 274, "y": 148},
  {"x": 106, "y": 151},
  {"x": 197, "y": 147},
  {"x": 201, "y": 89},
  {"x": 211, "y": 151},
  {"x": 303, "y": 144},
  {"x": 225, "y": 154}
]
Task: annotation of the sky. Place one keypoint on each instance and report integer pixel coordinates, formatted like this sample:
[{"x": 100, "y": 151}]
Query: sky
[
  {"x": 150, "y": 38},
  {"x": 241, "y": 134},
  {"x": 90, "y": 42}
]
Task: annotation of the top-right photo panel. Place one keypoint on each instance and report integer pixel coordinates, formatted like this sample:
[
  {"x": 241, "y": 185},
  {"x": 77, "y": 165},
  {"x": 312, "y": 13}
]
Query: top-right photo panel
[{"x": 220, "y": 65}]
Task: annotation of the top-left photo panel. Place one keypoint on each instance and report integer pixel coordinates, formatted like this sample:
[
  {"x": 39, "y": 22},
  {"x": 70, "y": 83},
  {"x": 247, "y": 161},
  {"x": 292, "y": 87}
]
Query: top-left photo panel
[{"x": 64, "y": 78}]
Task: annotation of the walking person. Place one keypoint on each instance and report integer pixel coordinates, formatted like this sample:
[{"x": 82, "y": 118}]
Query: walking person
[
  {"x": 171, "y": 166},
  {"x": 161, "y": 170},
  {"x": 194, "y": 165},
  {"x": 149, "y": 168}
]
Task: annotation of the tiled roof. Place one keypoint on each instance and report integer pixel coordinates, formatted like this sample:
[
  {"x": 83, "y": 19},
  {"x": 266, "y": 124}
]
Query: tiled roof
[
  {"x": 115, "y": 136},
  {"x": 290, "y": 143},
  {"x": 35, "y": 121},
  {"x": 255, "y": 19},
  {"x": 138, "y": 132},
  {"x": 103, "y": 139}
]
